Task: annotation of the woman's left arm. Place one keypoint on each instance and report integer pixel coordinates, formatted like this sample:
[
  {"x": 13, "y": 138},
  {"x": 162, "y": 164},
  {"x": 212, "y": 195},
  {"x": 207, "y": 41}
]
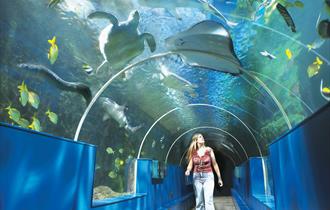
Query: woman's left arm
[{"x": 216, "y": 167}]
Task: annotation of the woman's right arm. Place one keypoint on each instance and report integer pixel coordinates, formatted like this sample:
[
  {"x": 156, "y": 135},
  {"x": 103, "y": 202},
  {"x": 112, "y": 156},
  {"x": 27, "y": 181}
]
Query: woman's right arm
[{"x": 189, "y": 167}]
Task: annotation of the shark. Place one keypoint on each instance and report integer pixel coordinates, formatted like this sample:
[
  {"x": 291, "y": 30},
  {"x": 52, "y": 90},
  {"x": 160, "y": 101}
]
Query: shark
[{"x": 116, "y": 112}]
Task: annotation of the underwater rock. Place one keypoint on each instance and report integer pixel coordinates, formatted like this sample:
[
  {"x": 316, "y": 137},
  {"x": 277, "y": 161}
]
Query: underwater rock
[
  {"x": 102, "y": 192},
  {"x": 323, "y": 29},
  {"x": 121, "y": 42}
]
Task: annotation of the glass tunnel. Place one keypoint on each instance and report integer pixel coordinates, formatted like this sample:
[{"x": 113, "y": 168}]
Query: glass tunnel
[{"x": 137, "y": 78}]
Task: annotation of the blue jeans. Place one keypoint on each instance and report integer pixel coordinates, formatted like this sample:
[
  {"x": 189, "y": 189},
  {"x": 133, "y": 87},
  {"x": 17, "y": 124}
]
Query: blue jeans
[{"x": 203, "y": 187}]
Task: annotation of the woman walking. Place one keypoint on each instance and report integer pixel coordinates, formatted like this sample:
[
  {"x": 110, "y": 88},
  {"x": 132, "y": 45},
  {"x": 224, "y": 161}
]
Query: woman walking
[{"x": 200, "y": 158}]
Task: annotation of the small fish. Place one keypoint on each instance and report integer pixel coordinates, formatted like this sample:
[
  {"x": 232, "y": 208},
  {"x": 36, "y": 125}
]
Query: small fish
[
  {"x": 268, "y": 55},
  {"x": 23, "y": 123},
  {"x": 325, "y": 91},
  {"x": 119, "y": 162},
  {"x": 287, "y": 17},
  {"x": 24, "y": 93},
  {"x": 288, "y": 53},
  {"x": 312, "y": 70},
  {"x": 112, "y": 174},
  {"x": 109, "y": 150},
  {"x": 153, "y": 144},
  {"x": 318, "y": 61},
  {"x": 35, "y": 125},
  {"x": 87, "y": 68},
  {"x": 52, "y": 116},
  {"x": 162, "y": 139},
  {"x": 121, "y": 150},
  {"x": 13, "y": 114},
  {"x": 53, "y": 50},
  {"x": 316, "y": 44},
  {"x": 34, "y": 99},
  {"x": 315, "y": 67}
]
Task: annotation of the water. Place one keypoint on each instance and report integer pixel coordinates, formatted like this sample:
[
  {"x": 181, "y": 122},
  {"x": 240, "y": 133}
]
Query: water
[{"x": 147, "y": 94}]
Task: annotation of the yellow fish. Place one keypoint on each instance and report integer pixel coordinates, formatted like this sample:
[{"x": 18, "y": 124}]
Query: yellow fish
[
  {"x": 24, "y": 93},
  {"x": 315, "y": 67},
  {"x": 288, "y": 53},
  {"x": 35, "y": 124},
  {"x": 14, "y": 114},
  {"x": 53, "y": 50},
  {"x": 326, "y": 90},
  {"x": 318, "y": 61},
  {"x": 313, "y": 70},
  {"x": 52, "y": 116},
  {"x": 310, "y": 47}
]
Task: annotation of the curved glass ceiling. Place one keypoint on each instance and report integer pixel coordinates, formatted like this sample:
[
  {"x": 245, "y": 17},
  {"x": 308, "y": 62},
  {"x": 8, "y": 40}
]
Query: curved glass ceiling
[{"x": 148, "y": 101}]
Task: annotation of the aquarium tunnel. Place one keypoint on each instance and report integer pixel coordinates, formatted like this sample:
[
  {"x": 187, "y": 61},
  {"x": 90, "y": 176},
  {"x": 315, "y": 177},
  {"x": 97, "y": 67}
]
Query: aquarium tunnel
[{"x": 100, "y": 99}]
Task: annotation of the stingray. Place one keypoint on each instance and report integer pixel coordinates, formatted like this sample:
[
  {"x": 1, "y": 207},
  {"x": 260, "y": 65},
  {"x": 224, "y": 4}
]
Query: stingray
[
  {"x": 206, "y": 44},
  {"x": 120, "y": 43}
]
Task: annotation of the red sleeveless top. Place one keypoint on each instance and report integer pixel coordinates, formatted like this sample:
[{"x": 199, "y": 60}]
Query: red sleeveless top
[{"x": 203, "y": 163}]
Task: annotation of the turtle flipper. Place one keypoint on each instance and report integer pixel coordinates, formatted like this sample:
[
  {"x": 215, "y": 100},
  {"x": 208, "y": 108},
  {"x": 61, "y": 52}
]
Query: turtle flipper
[
  {"x": 150, "y": 40},
  {"x": 105, "y": 15},
  {"x": 134, "y": 19}
]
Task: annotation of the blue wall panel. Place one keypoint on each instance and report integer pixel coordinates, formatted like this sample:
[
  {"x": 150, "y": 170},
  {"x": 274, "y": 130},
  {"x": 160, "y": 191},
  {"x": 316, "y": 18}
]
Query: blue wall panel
[
  {"x": 171, "y": 192},
  {"x": 249, "y": 188},
  {"x": 43, "y": 172},
  {"x": 256, "y": 176},
  {"x": 299, "y": 170},
  {"x": 300, "y": 163},
  {"x": 241, "y": 182}
]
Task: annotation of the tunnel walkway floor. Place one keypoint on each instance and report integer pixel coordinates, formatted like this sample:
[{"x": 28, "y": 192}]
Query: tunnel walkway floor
[{"x": 223, "y": 203}]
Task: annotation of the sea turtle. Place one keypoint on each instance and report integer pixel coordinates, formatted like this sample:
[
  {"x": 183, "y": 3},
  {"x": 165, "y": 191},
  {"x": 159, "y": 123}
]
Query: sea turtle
[{"x": 121, "y": 42}]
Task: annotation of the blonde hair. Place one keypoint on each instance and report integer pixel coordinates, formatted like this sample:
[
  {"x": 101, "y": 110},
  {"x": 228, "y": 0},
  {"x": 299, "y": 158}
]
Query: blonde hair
[{"x": 193, "y": 146}]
